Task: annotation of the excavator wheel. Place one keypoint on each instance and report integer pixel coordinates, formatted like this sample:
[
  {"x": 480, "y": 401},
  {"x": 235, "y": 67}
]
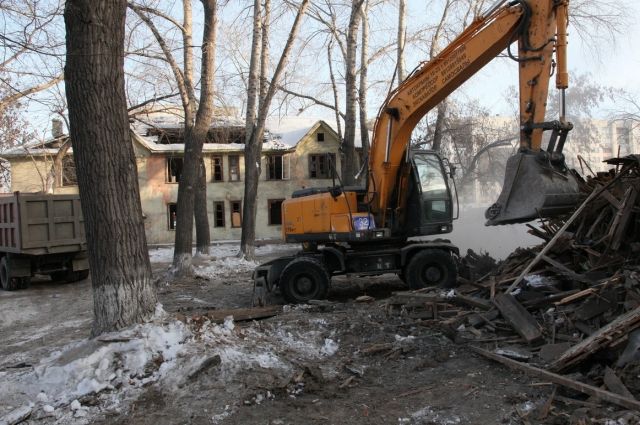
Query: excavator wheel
[
  {"x": 431, "y": 267},
  {"x": 304, "y": 279}
]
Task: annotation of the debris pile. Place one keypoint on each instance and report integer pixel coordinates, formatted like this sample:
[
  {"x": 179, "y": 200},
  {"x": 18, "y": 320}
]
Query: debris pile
[{"x": 567, "y": 311}]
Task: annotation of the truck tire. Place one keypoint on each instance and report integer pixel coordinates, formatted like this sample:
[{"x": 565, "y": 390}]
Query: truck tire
[
  {"x": 431, "y": 267},
  {"x": 304, "y": 279},
  {"x": 8, "y": 283}
]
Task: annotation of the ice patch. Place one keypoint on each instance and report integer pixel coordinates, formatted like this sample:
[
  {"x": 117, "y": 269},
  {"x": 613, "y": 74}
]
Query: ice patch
[{"x": 329, "y": 348}]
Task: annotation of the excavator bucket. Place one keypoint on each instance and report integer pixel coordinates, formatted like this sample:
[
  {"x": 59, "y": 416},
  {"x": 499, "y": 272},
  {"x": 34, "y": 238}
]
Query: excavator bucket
[{"x": 533, "y": 187}]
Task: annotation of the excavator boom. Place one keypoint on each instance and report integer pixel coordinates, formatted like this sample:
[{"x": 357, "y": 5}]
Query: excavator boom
[{"x": 539, "y": 27}]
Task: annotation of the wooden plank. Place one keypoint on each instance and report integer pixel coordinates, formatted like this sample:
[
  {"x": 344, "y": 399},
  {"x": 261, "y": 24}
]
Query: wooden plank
[
  {"x": 474, "y": 302},
  {"x": 243, "y": 314},
  {"x": 564, "y": 270},
  {"x": 561, "y": 380},
  {"x": 518, "y": 317},
  {"x": 560, "y": 232},
  {"x": 624, "y": 215},
  {"x": 576, "y": 296},
  {"x": 602, "y": 338}
]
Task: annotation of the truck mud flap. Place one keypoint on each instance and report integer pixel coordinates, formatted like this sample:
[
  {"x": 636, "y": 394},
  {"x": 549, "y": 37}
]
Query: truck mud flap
[{"x": 533, "y": 188}]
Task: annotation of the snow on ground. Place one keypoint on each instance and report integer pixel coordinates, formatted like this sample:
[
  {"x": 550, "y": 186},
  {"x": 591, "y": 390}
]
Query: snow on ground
[
  {"x": 165, "y": 254},
  {"x": 88, "y": 378},
  {"x": 222, "y": 260}
]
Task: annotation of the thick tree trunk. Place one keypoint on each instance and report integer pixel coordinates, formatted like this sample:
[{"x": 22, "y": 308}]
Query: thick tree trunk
[
  {"x": 194, "y": 139},
  {"x": 349, "y": 168},
  {"x": 251, "y": 151},
  {"x": 364, "y": 58},
  {"x": 203, "y": 235},
  {"x": 439, "y": 126},
  {"x": 253, "y": 148},
  {"x": 402, "y": 32},
  {"x": 123, "y": 291}
]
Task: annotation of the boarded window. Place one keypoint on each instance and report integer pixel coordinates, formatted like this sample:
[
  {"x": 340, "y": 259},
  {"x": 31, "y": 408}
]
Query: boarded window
[
  {"x": 218, "y": 175},
  {"x": 218, "y": 214},
  {"x": 69, "y": 172},
  {"x": 320, "y": 165},
  {"x": 275, "y": 211},
  {"x": 174, "y": 169},
  {"x": 234, "y": 168},
  {"x": 277, "y": 167},
  {"x": 320, "y": 137},
  {"x": 236, "y": 213},
  {"x": 172, "y": 215}
]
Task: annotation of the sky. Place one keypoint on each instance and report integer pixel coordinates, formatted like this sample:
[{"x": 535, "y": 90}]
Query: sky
[
  {"x": 608, "y": 65},
  {"x": 614, "y": 66}
]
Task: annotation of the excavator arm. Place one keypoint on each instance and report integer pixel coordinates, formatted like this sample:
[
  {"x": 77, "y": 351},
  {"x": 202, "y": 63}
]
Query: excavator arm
[{"x": 539, "y": 27}]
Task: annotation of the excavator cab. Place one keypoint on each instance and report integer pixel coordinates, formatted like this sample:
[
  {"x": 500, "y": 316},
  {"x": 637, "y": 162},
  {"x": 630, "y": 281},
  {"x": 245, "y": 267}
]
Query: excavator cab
[{"x": 431, "y": 196}]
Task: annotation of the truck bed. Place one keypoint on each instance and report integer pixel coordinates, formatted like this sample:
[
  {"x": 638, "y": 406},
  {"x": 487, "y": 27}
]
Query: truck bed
[{"x": 37, "y": 224}]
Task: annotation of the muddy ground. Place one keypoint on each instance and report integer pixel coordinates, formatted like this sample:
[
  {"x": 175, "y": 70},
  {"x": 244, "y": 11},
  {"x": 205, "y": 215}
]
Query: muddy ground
[{"x": 425, "y": 379}]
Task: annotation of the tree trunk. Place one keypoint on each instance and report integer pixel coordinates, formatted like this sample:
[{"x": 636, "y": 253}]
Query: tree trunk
[
  {"x": 203, "y": 235},
  {"x": 439, "y": 126},
  {"x": 194, "y": 139},
  {"x": 402, "y": 32},
  {"x": 251, "y": 153},
  {"x": 253, "y": 149},
  {"x": 364, "y": 58},
  {"x": 349, "y": 168},
  {"x": 123, "y": 291},
  {"x": 334, "y": 88}
]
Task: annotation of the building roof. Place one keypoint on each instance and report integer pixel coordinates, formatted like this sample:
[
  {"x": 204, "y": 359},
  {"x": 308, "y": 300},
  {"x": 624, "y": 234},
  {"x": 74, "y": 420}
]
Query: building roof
[{"x": 281, "y": 134}]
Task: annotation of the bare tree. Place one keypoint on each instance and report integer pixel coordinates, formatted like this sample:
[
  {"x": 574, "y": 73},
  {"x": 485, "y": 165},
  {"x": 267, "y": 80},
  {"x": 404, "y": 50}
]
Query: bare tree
[
  {"x": 197, "y": 117},
  {"x": 123, "y": 291},
  {"x": 253, "y": 145},
  {"x": 402, "y": 32}
]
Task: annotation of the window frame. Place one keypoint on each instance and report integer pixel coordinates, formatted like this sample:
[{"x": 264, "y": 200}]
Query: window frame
[
  {"x": 285, "y": 166},
  {"x": 171, "y": 224},
  {"x": 231, "y": 211},
  {"x": 314, "y": 158},
  {"x": 229, "y": 167},
  {"x": 168, "y": 161},
  {"x": 215, "y": 216},
  {"x": 213, "y": 169},
  {"x": 320, "y": 137},
  {"x": 270, "y": 202}
]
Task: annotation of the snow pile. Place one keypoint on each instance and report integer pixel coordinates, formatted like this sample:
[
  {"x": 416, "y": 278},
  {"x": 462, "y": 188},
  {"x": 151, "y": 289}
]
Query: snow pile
[
  {"x": 133, "y": 358},
  {"x": 165, "y": 254},
  {"x": 92, "y": 377},
  {"x": 224, "y": 266}
]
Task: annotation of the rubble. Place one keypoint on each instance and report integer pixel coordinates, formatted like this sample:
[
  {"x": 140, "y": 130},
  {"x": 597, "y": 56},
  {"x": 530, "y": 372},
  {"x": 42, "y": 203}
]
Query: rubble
[{"x": 572, "y": 302}]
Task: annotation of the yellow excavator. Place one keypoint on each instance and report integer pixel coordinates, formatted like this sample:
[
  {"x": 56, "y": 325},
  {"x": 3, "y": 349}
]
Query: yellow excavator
[{"x": 365, "y": 230}]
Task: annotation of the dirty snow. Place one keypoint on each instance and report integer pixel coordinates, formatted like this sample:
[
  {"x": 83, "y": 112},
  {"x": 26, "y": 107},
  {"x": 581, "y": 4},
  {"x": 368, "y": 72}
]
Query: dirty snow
[{"x": 115, "y": 367}]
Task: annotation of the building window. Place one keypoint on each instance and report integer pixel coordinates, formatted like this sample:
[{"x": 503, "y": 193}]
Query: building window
[
  {"x": 174, "y": 169},
  {"x": 218, "y": 214},
  {"x": 275, "y": 211},
  {"x": 69, "y": 172},
  {"x": 172, "y": 213},
  {"x": 277, "y": 167},
  {"x": 320, "y": 165},
  {"x": 236, "y": 213},
  {"x": 234, "y": 168},
  {"x": 320, "y": 137},
  {"x": 218, "y": 175}
]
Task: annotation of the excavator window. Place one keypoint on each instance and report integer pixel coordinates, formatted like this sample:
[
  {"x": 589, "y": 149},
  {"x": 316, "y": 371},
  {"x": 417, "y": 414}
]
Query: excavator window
[{"x": 432, "y": 181}]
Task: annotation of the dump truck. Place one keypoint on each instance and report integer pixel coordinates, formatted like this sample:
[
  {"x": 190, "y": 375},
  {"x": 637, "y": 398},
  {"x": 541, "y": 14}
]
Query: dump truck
[{"x": 41, "y": 234}]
